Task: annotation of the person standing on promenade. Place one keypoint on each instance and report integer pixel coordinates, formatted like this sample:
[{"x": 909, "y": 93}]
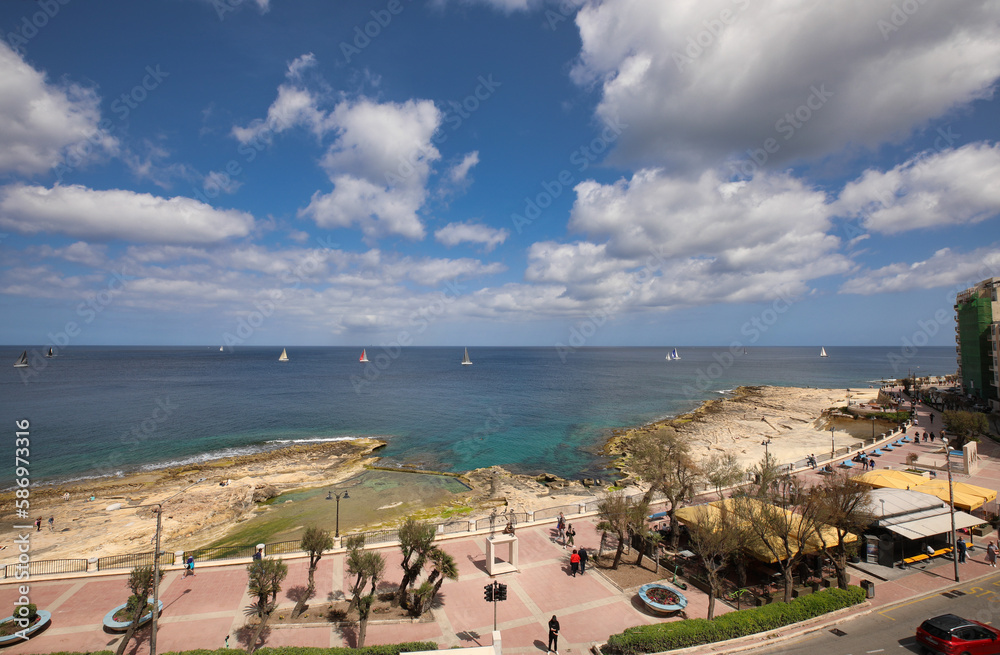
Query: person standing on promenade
[
  {"x": 961, "y": 549},
  {"x": 574, "y": 562},
  {"x": 570, "y": 534},
  {"x": 991, "y": 554},
  {"x": 554, "y": 635},
  {"x": 561, "y": 528},
  {"x": 583, "y": 559}
]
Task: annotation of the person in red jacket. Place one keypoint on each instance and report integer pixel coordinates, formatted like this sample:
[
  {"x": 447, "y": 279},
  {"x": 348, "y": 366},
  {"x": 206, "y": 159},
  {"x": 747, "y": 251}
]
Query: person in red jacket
[{"x": 574, "y": 562}]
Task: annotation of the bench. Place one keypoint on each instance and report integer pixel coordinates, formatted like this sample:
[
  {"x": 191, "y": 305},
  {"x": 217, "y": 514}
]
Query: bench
[{"x": 923, "y": 556}]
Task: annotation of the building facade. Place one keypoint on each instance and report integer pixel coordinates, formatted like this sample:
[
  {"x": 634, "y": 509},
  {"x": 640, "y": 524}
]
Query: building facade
[{"x": 977, "y": 314}]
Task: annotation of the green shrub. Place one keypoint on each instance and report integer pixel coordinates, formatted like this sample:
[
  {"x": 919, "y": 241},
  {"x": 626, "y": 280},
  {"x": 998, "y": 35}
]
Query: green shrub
[{"x": 694, "y": 632}]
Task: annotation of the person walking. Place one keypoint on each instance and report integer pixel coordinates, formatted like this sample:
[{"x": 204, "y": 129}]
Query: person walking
[
  {"x": 189, "y": 566},
  {"x": 961, "y": 549},
  {"x": 574, "y": 562},
  {"x": 570, "y": 534},
  {"x": 554, "y": 635},
  {"x": 52, "y": 523},
  {"x": 561, "y": 528},
  {"x": 991, "y": 554},
  {"x": 583, "y": 559},
  {"x": 38, "y": 524}
]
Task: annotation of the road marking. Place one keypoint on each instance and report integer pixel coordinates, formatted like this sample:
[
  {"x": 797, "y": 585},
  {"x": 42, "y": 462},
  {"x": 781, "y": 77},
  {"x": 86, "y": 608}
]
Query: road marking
[{"x": 877, "y": 651}]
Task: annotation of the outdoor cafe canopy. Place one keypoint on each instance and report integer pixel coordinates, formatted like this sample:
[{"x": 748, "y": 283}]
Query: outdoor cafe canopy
[
  {"x": 721, "y": 513},
  {"x": 967, "y": 496}
]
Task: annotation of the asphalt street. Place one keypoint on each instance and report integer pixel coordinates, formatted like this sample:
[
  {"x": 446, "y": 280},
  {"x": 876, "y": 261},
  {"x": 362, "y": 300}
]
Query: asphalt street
[{"x": 892, "y": 630}]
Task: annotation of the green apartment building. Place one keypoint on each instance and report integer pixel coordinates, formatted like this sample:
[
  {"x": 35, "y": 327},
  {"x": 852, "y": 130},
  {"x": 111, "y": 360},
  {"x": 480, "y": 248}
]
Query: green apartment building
[{"x": 977, "y": 312}]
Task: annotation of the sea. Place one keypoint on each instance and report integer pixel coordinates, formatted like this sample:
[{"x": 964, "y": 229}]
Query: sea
[{"x": 105, "y": 411}]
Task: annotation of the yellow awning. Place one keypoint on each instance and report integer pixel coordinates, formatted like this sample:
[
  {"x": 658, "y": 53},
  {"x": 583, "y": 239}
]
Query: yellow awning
[
  {"x": 891, "y": 479},
  {"x": 964, "y": 499}
]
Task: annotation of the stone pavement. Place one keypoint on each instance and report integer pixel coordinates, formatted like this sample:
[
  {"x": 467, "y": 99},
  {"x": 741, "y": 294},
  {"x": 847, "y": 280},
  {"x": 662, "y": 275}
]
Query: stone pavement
[{"x": 201, "y": 611}]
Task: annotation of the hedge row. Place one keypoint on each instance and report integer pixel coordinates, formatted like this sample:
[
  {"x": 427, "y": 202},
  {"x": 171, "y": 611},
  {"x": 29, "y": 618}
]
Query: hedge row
[
  {"x": 387, "y": 649},
  {"x": 694, "y": 632}
]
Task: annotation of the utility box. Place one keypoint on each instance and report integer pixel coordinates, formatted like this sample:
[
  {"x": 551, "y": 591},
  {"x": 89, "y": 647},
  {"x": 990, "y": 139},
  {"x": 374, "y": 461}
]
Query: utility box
[{"x": 869, "y": 588}]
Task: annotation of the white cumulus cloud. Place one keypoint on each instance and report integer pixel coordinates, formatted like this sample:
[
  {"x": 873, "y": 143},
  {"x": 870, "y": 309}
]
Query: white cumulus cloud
[{"x": 453, "y": 234}]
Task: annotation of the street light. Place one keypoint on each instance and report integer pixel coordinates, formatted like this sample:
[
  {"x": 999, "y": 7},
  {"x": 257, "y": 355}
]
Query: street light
[
  {"x": 833, "y": 445},
  {"x": 329, "y": 496},
  {"x": 873, "y": 429},
  {"x": 766, "y": 443},
  {"x": 156, "y": 562},
  {"x": 951, "y": 505}
]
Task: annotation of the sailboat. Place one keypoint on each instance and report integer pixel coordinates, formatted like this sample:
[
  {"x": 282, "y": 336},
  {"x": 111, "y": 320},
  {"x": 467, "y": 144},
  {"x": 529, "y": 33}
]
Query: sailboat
[
  {"x": 222, "y": 349},
  {"x": 744, "y": 350},
  {"x": 822, "y": 352},
  {"x": 670, "y": 357},
  {"x": 466, "y": 361},
  {"x": 50, "y": 354},
  {"x": 364, "y": 357},
  {"x": 284, "y": 356},
  {"x": 674, "y": 355},
  {"x": 22, "y": 361}
]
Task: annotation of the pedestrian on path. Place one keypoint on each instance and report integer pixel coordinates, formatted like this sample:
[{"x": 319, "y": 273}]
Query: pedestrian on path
[
  {"x": 51, "y": 521},
  {"x": 561, "y": 528},
  {"x": 991, "y": 554},
  {"x": 574, "y": 562},
  {"x": 554, "y": 635},
  {"x": 961, "y": 549},
  {"x": 38, "y": 524},
  {"x": 583, "y": 559},
  {"x": 570, "y": 534},
  {"x": 189, "y": 566}
]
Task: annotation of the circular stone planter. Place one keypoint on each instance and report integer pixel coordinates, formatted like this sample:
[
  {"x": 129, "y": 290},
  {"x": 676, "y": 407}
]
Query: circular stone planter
[
  {"x": 122, "y": 626},
  {"x": 662, "y": 608},
  {"x": 44, "y": 617}
]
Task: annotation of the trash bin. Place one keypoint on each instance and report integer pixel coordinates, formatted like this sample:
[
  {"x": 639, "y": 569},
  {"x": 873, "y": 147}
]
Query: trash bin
[{"x": 869, "y": 588}]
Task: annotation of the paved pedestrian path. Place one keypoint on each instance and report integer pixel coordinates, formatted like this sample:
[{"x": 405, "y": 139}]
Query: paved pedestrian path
[{"x": 201, "y": 611}]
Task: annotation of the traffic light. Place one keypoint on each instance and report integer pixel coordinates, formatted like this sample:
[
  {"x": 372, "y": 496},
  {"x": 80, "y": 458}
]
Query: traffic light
[
  {"x": 489, "y": 592},
  {"x": 502, "y": 592}
]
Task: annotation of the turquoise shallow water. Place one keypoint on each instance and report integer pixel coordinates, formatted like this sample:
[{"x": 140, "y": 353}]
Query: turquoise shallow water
[{"x": 99, "y": 410}]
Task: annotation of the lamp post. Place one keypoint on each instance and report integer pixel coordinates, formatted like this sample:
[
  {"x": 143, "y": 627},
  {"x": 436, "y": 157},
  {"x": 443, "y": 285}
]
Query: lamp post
[
  {"x": 766, "y": 443},
  {"x": 156, "y": 562},
  {"x": 833, "y": 445},
  {"x": 873, "y": 429},
  {"x": 330, "y": 495},
  {"x": 951, "y": 506}
]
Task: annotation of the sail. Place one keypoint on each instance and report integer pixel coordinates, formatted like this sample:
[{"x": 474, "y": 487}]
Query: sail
[
  {"x": 364, "y": 357},
  {"x": 50, "y": 354},
  {"x": 465, "y": 360},
  {"x": 822, "y": 352},
  {"x": 669, "y": 357},
  {"x": 284, "y": 356},
  {"x": 222, "y": 348},
  {"x": 22, "y": 361},
  {"x": 674, "y": 355}
]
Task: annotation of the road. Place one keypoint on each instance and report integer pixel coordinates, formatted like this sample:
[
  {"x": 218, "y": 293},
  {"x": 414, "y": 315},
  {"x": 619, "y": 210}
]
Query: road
[{"x": 891, "y": 631}]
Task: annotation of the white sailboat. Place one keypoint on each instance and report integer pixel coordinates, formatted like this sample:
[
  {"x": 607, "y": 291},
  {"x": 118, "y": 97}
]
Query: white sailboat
[
  {"x": 465, "y": 360},
  {"x": 364, "y": 358},
  {"x": 22, "y": 361},
  {"x": 222, "y": 349},
  {"x": 674, "y": 355},
  {"x": 284, "y": 356},
  {"x": 822, "y": 352}
]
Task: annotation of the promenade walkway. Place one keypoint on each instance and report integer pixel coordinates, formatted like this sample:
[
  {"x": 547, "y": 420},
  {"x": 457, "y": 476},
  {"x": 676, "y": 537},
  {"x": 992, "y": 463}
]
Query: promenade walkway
[{"x": 201, "y": 611}]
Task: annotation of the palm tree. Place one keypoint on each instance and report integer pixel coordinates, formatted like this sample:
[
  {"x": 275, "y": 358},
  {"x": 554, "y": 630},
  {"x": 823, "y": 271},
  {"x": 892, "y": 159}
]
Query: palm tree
[
  {"x": 444, "y": 567},
  {"x": 140, "y": 582},
  {"x": 416, "y": 540},
  {"x": 314, "y": 541},
  {"x": 264, "y": 579}
]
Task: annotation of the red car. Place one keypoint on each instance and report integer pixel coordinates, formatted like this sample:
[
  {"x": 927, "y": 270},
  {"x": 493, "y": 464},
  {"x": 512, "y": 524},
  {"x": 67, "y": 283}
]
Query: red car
[{"x": 952, "y": 635}]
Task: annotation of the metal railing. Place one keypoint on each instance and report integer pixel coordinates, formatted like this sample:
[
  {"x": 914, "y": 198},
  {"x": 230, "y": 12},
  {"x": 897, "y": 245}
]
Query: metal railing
[
  {"x": 132, "y": 560},
  {"x": 46, "y": 567},
  {"x": 281, "y": 547},
  {"x": 220, "y": 552},
  {"x": 553, "y": 512},
  {"x": 379, "y": 536}
]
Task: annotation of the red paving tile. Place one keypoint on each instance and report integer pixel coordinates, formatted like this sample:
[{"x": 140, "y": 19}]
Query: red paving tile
[
  {"x": 400, "y": 632},
  {"x": 209, "y": 590},
  {"x": 42, "y": 594},
  {"x": 466, "y": 608},
  {"x": 469, "y": 554},
  {"x": 79, "y": 642},
  {"x": 551, "y": 589},
  {"x": 85, "y": 606},
  {"x": 597, "y": 623},
  {"x": 535, "y": 635},
  {"x": 298, "y": 579},
  {"x": 317, "y": 637}
]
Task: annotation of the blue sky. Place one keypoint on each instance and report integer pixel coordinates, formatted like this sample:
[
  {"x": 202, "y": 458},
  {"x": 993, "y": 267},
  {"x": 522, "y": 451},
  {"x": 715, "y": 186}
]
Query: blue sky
[{"x": 508, "y": 172}]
